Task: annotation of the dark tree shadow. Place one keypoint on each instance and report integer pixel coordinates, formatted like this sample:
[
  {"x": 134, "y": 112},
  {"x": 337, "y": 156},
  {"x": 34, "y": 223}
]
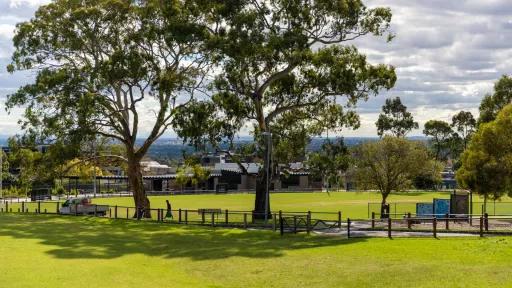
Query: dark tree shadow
[{"x": 89, "y": 237}]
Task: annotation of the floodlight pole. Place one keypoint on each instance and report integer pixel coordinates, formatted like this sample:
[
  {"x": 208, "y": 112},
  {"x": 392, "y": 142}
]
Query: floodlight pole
[{"x": 268, "y": 137}]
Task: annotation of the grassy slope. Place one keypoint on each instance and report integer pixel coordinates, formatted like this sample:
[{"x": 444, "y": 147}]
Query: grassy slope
[
  {"x": 352, "y": 204},
  {"x": 49, "y": 251}
]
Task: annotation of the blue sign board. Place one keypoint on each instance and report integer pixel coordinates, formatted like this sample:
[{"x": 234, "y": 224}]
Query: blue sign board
[
  {"x": 424, "y": 209},
  {"x": 441, "y": 207}
]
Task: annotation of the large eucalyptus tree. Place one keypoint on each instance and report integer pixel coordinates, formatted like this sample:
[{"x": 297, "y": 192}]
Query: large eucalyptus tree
[
  {"x": 288, "y": 69},
  {"x": 100, "y": 64}
]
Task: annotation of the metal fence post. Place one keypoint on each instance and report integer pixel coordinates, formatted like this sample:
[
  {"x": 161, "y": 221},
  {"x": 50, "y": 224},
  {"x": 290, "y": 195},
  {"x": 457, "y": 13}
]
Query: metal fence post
[
  {"x": 38, "y": 206},
  {"x": 348, "y": 227},
  {"x": 434, "y": 227},
  {"x": 308, "y": 222},
  {"x": 486, "y": 222},
  {"x": 226, "y": 217},
  {"x": 339, "y": 220},
  {"x": 186, "y": 216},
  {"x": 23, "y": 206},
  {"x": 179, "y": 215},
  {"x": 481, "y": 226},
  {"x": 245, "y": 220},
  {"x": 409, "y": 225},
  {"x": 126, "y": 212},
  {"x": 447, "y": 219},
  {"x": 281, "y": 224},
  {"x": 389, "y": 227},
  {"x": 274, "y": 225},
  {"x": 115, "y": 212},
  {"x": 373, "y": 220},
  {"x": 58, "y": 208}
]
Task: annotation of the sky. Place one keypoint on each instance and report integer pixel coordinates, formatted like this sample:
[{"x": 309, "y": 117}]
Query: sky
[{"x": 447, "y": 54}]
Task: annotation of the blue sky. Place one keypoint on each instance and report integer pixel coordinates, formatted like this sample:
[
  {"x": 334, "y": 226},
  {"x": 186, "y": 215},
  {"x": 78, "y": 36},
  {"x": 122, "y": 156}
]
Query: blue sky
[{"x": 447, "y": 54}]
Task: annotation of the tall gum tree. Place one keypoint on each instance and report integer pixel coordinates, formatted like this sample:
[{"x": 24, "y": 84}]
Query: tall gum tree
[
  {"x": 288, "y": 69},
  {"x": 98, "y": 62}
]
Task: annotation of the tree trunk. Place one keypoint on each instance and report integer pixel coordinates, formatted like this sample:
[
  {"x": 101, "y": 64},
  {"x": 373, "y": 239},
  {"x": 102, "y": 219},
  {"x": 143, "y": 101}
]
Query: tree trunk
[
  {"x": 384, "y": 207},
  {"x": 137, "y": 186},
  {"x": 261, "y": 197}
]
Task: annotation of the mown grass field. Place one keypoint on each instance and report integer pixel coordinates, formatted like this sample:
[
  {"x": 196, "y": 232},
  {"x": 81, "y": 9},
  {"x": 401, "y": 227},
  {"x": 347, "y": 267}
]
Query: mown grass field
[
  {"x": 351, "y": 204},
  {"x": 55, "y": 251}
]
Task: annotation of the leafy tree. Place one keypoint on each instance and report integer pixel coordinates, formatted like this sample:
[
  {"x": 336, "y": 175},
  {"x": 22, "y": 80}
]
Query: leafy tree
[
  {"x": 395, "y": 118},
  {"x": 464, "y": 123},
  {"x": 330, "y": 162},
  {"x": 492, "y": 103},
  {"x": 487, "y": 162},
  {"x": 97, "y": 62},
  {"x": 191, "y": 172},
  {"x": 440, "y": 132},
  {"x": 25, "y": 162},
  {"x": 287, "y": 69},
  {"x": 391, "y": 164}
]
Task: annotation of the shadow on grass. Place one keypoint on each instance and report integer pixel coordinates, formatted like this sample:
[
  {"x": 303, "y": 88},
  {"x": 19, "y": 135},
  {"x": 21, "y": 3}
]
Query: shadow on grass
[{"x": 83, "y": 237}]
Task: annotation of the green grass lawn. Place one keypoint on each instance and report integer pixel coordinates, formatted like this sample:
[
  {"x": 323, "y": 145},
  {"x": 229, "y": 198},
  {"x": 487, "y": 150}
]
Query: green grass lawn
[
  {"x": 51, "y": 251},
  {"x": 351, "y": 204}
]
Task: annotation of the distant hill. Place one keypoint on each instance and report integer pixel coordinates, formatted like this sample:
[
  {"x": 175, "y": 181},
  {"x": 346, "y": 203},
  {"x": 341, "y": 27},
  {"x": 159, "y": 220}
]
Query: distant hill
[{"x": 172, "y": 148}]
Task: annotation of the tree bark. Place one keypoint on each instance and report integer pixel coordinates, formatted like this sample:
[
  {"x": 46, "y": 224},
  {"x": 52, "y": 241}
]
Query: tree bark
[
  {"x": 261, "y": 195},
  {"x": 383, "y": 206},
  {"x": 137, "y": 186}
]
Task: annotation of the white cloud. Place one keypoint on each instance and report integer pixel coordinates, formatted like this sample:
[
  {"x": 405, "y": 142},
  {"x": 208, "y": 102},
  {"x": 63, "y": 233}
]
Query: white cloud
[{"x": 447, "y": 54}]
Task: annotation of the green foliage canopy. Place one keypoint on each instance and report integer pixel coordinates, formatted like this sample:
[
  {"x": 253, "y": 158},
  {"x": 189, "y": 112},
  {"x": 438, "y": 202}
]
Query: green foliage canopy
[
  {"x": 395, "y": 118},
  {"x": 487, "y": 162}
]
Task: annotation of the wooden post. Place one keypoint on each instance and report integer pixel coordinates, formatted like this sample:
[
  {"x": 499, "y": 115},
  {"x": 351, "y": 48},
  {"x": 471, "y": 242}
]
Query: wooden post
[
  {"x": 434, "y": 227},
  {"x": 186, "y": 216},
  {"x": 115, "y": 212},
  {"x": 281, "y": 224},
  {"x": 38, "y": 206},
  {"x": 348, "y": 227},
  {"x": 486, "y": 221},
  {"x": 58, "y": 209},
  {"x": 245, "y": 220},
  {"x": 389, "y": 227},
  {"x": 76, "y": 209},
  {"x": 23, "y": 206},
  {"x": 179, "y": 215},
  {"x": 339, "y": 220},
  {"x": 226, "y": 216},
  {"x": 109, "y": 212},
  {"x": 126, "y": 212},
  {"x": 45, "y": 212},
  {"x": 409, "y": 224},
  {"x": 481, "y": 226},
  {"x": 447, "y": 219},
  {"x": 373, "y": 220}
]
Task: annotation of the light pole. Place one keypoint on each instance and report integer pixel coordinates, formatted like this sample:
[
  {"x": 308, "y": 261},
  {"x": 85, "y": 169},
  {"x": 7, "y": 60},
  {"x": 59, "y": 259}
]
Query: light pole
[{"x": 268, "y": 137}]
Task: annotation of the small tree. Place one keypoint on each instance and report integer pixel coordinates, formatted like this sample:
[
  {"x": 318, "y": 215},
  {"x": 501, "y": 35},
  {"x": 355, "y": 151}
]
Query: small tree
[
  {"x": 395, "y": 118},
  {"x": 330, "y": 162},
  {"x": 487, "y": 162},
  {"x": 390, "y": 164},
  {"x": 440, "y": 132},
  {"x": 464, "y": 123}
]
